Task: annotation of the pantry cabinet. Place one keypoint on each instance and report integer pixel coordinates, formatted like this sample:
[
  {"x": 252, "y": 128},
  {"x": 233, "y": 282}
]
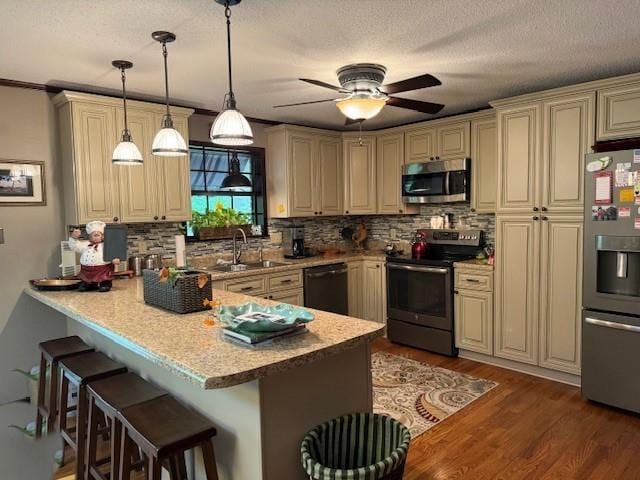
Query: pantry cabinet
[
  {"x": 484, "y": 164},
  {"x": 374, "y": 306},
  {"x": 619, "y": 111},
  {"x": 359, "y": 174},
  {"x": 305, "y": 176},
  {"x": 95, "y": 188}
]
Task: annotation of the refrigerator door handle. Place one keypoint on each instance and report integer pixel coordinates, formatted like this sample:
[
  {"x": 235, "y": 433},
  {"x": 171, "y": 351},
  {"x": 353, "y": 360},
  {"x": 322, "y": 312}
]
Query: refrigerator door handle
[
  {"x": 621, "y": 265},
  {"x": 614, "y": 325}
]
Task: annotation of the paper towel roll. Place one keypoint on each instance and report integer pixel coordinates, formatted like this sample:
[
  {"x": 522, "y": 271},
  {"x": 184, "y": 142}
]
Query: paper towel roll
[{"x": 181, "y": 252}]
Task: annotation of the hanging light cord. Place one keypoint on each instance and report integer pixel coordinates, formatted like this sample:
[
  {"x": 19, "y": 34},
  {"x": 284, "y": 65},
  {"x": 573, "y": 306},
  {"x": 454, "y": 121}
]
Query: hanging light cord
[
  {"x": 126, "y": 135},
  {"x": 230, "y": 100},
  {"x": 166, "y": 76}
]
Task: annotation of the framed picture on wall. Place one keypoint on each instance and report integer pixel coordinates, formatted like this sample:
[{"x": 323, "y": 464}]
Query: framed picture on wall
[{"x": 21, "y": 183}]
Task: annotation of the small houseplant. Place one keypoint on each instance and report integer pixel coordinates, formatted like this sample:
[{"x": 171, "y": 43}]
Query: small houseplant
[{"x": 219, "y": 223}]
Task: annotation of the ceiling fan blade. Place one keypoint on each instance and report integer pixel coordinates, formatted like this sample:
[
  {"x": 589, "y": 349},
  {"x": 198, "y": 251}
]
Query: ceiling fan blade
[
  {"x": 318, "y": 83},
  {"x": 415, "y": 83},
  {"x": 350, "y": 121},
  {"x": 305, "y": 103},
  {"x": 417, "y": 105}
]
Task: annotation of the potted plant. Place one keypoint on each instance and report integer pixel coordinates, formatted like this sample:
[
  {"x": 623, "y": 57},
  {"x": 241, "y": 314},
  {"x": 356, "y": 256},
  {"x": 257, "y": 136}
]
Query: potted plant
[{"x": 219, "y": 223}]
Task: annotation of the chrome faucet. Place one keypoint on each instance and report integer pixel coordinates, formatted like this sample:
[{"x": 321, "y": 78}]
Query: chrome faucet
[{"x": 236, "y": 251}]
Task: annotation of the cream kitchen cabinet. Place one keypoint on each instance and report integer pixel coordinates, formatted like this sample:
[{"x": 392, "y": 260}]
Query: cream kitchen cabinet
[
  {"x": 359, "y": 174},
  {"x": 420, "y": 144},
  {"x": 292, "y": 297},
  {"x": 473, "y": 309},
  {"x": 441, "y": 141},
  {"x": 354, "y": 276},
  {"x": 484, "y": 166},
  {"x": 95, "y": 189},
  {"x": 561, "y": 292},
  {"x": 374, "y": 295},
  {"x": 539, "y": 290},
  {"x": 541, "y": 152},
  {"x": 619, "y": 112},
  {"x": 285, "y": 287},
  {"x": 390, "y": 159},
  {"x": 305, "y": 172}
]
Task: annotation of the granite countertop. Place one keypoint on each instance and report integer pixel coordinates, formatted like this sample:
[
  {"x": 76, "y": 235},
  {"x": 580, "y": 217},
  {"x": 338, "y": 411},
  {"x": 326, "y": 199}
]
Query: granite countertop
[
  {"x": 290, "y": 264},
  {"x": 473, "y": 263},
  {"x": 195, "y": 351}
]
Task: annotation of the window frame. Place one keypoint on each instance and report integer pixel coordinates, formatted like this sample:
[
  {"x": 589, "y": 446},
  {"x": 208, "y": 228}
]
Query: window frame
[{"x": 258, "y": 168}]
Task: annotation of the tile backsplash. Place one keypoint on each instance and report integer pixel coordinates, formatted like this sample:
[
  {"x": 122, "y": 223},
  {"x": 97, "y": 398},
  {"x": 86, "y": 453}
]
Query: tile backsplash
[{"x": 159, "y": 238}]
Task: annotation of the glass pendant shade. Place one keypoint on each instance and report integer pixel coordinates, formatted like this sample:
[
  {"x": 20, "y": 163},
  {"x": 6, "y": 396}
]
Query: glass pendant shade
[
  {"x": 169, "y": 143},
  {"x": 360, "y": 108},
  {"x": 231, "y": 128},
  {"x": 235, "y": 181},
  {"x": 126, "y": 153}
]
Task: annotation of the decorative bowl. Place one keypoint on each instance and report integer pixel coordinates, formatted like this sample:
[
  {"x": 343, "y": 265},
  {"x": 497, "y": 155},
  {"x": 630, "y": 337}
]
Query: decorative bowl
[{"x": 292, "y": 315}]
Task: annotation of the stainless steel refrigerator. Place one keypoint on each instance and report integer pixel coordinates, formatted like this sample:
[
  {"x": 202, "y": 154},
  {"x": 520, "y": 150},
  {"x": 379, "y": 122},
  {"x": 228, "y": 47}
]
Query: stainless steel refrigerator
[{"x": 611, "y": 286}]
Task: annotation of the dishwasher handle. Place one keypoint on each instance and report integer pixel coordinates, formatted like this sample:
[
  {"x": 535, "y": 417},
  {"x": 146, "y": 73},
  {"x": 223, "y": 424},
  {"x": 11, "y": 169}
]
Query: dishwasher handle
[
  {"x": 614, "y": 325},
  {"x": 324, "y": 274}
]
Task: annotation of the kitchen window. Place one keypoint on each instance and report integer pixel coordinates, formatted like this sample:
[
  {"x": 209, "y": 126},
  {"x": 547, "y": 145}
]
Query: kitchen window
[{"x": 210, "y": 165}]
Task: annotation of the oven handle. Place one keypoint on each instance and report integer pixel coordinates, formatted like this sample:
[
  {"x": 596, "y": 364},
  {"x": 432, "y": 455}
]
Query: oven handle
[
  {"x": 418, "y": 269},
  {"x": 617, "y": 326}
]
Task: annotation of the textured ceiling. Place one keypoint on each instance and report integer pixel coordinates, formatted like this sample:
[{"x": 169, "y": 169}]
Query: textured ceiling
[{"x": 480, "y": 49}]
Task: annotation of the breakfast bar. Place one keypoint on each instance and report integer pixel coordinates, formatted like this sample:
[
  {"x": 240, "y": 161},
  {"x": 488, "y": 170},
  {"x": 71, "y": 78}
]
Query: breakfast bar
[{"x": 262, "y": 399}]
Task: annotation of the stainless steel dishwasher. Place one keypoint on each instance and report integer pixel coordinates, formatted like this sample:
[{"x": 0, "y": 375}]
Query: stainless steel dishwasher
[{"x": 326, "y": 288}]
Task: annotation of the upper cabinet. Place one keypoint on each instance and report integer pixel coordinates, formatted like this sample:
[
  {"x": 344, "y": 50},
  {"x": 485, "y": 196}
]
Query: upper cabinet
[
  {"x": 95, "y": 188},
  {"x": 390, "y": 154},
  {"x": 446, "y": 140},
  {"x": 305, "y": 172},
  {"x": 453, "y": 140},
  {"x": 360, "y": 174},
  {"x": 619, "y": 111},
  {"x": 420, "y": 144},
  {"x": 484, "y": 166}
]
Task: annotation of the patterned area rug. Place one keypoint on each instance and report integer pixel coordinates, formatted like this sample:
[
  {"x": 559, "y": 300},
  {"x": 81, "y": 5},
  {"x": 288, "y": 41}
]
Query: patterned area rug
[{"x": 421, "y": 395}]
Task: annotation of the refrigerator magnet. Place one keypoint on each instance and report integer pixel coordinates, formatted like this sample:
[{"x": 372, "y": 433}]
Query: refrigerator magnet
[
  {"x": 603, "y": 187},
  {"x": 636, "y": 223},
  {"x": 626, "y": 195},
  {"x": 636, "y": 156},
  {"x": 601, "y": 213},
  {"x": 624, "y": 212},
  {"x": 599, "y": 164}
]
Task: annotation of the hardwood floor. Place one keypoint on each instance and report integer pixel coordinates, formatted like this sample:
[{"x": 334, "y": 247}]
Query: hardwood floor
[{"x": 526, "y": 428}]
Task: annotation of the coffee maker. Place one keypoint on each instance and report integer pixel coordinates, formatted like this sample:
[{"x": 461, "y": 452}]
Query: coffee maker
[{"x": 293, "y": 241}]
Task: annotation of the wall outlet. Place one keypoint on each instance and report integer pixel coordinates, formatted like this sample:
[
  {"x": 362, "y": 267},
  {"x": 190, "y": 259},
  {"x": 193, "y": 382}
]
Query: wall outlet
[
  {"x": 336, "y": 233},
  {"x": 393, "y": 233},
  {"x": 142, "y": 246}
]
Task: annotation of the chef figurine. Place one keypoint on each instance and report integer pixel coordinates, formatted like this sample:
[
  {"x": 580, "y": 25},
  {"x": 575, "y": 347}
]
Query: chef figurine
[{"x": 95, "y": 273}]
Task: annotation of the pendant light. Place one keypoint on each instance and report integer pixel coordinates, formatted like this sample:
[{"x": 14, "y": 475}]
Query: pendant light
[
  {"x": 126, "y": 152},
  {"x": 235, "y": 181},
  {"x": 168, "y": 142},
  {"x": 230, "y": 127}
]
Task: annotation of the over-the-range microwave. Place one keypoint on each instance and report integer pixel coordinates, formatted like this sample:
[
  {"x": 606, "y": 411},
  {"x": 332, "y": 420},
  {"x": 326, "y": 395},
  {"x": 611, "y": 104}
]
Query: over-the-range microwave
[{"x": 437, "y": 181}]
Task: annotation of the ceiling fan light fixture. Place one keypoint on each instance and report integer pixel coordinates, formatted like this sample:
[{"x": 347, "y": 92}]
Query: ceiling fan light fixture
[{"x": 361, "y": 107}]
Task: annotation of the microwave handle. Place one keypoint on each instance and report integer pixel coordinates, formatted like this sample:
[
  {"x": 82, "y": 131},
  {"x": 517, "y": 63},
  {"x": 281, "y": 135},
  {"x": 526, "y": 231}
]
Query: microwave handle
[{"x": 446, "y": 183}]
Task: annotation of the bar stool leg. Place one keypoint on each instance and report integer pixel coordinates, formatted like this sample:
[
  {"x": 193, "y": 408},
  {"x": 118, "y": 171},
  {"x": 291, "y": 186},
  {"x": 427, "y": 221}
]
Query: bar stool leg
[
  {"x": 92, "y": 440},
  {"x": 125, "y": 456},
  {"x": 182, "y": 467},
  {"x": 42, "y": 384},
  {"x": 154, "y": 470},
  {"x": 116, "y": 439},
  {"x": 209, "y": 460},
  {"x": 81, "y": 426},
  {"x": 53, "y": 385}
]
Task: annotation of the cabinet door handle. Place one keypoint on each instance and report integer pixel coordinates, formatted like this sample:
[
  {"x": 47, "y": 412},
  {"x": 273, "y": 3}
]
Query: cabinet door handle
[
  {"x": 164, "y": 217},
  {"x": 536, "y": 218},
  {"x": 473, "y": 210},
  {"x": 456, "y": 292},
  {"x": 535, "y": 209},
  {"x": 315, "y": 213},
  {"x": 246, "y": 289},
  {"x": 377, "y": 266},
  {"x": 544, "y": 209},
  {"x": 319, "y": 213},
  {"x": 400, "y": 210},
  {"x": 347, "y": 211},
  {"x": 115, "y": 219},
  {"x": 472, "y": 280},
  {"x": 155, "y": 217},
  {"x": 545, "y": 218},
  {"x": 288, "y": 280}
]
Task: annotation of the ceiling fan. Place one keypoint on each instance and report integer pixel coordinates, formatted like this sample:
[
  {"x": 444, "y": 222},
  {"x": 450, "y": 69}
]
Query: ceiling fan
[{"x": 362, "y": 83}]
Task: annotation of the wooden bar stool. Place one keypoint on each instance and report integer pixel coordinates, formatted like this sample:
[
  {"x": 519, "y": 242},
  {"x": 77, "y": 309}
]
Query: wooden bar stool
[
  {"x": 51, "y": 352},
  {"x": 164, "y": 429},
  {"x": 108, "y": 397},
  {"x": 79, "y": 371}
]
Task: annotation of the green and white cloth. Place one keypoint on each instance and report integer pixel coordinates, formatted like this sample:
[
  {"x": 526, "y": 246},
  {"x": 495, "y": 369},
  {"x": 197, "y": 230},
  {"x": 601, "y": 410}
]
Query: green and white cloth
[{"x": 359, "y": 446}]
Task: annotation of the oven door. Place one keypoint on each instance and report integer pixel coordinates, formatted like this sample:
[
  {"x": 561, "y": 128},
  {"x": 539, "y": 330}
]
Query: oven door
[{"x": 420, "y": 294}]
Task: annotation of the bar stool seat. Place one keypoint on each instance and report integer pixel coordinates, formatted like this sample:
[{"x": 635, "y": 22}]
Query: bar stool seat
[
  {"x": 79, "y": 371},
  {"x": 164, "y": 429},
  {"x": 51, "y": 352},
  {"x": 109, "y": 396}
]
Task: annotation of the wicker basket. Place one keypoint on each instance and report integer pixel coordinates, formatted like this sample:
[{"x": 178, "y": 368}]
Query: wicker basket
[
  {"x": 212, "y": 233},
  {"x": 182, "y": 297}
]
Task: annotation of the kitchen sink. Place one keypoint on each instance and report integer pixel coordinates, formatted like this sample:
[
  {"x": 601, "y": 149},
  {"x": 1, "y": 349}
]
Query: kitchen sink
[
  {"x": 241, "y": 267},
  {"x": 265, "y": 264}
]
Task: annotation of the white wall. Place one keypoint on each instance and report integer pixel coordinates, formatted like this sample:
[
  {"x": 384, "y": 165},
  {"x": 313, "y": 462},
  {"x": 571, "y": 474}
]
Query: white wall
[{"x": 32, "y": 237}]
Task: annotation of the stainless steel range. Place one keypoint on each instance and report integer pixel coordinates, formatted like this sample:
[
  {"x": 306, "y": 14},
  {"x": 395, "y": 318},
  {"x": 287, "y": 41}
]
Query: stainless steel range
[{"x": 420, "y": 291}]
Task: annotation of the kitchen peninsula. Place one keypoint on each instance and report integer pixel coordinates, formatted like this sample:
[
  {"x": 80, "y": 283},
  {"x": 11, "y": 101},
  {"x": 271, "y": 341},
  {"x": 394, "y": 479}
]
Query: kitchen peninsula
[{"x": 262, "y": 400}]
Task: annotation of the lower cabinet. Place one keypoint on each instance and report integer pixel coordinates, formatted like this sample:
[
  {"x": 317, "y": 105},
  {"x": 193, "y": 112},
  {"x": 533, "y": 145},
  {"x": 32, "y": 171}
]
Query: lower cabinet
[
  {"x": 473, "y": 309},
  {"x": 292, "y": 297},
  {"x": 374, "y": 285},
  {"x": 355, "y": 288},
  {"x": 285, "y": 287}
]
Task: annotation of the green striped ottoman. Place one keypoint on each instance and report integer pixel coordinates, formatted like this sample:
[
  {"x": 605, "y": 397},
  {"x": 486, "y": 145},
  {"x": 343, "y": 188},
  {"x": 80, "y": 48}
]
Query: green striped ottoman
[{"x": 360, "y": 446}]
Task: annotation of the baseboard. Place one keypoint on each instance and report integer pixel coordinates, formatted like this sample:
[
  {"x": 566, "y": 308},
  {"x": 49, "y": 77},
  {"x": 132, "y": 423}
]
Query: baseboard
[{"x": 534, "y": 370}]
